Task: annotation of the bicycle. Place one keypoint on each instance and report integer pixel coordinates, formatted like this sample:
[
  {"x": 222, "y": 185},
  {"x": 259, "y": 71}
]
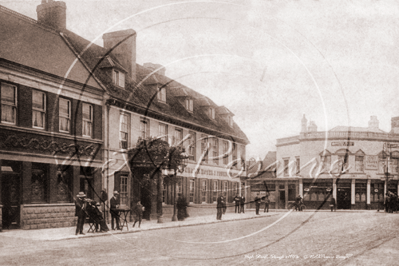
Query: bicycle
[{"x": 298, "y": 207}]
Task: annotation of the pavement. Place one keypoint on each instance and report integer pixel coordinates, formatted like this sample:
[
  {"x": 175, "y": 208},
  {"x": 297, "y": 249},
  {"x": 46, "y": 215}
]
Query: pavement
[{"x": 69, "y": 232}]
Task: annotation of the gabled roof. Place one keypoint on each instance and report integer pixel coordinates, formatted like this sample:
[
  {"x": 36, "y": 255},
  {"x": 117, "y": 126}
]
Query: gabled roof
[
  {"x": 26, "y": 42},
  {"x": 137, "y": 94}
]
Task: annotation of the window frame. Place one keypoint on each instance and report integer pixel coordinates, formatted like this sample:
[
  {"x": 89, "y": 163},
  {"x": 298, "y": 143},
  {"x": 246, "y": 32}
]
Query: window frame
[
  {"x": 188, "y": 103},
  {"x": 165, "y": 133},
  {"x": 118, "y": 78},
  {"x": 143, "y": 123},
  {"x": 215, "y": 191},
  {"x": 215, "y": 150},
  {"x": 161, "y": 94},
  {"x": 203, "y": 190},
  {"x": 14, "y": 106},
  {"x": 225, "y": 154},
  {"x": 192, "y": 145},
  {"x": 178, "y": 134},
  {"x": 192, "y": 190},
  {"x": 65, "y": 117},
  {"x": 85, "y": 120},
  {"x": 124, "y": 194},
  {"x": 225, "y": 189},
  {"x": 204, "y": 145},
  {"x": 41, "y": 111},
  {"x": 124, "y": 143}
]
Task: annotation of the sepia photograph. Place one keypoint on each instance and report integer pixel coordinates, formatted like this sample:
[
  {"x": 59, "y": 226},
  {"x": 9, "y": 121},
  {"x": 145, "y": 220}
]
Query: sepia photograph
[{"x": 199, "y": 132}]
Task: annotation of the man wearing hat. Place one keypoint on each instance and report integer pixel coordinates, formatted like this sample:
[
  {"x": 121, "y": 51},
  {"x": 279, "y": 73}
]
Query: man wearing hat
[
  {"x": 114, "y": 213},
  {"x": 80, "y": 212}
]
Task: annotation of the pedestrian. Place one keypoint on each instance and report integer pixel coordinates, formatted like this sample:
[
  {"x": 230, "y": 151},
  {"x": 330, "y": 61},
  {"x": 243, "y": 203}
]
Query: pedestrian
[
  {"x": 332, "y": 203},
  {"x": 267, "y": 203},
  {"x": 224, "y": 205},
  {"x": 237, "y": 201},
  {"x": 96, "y": 216},
  {"x": 103, "y": 199},
  {"x": 80, "y": 212},
  {"x": 298, "y": 202},
  {"x": 242, "y": 209},
  {"x": 257, "y": 203},
  {"x": 219, "y": 206},
  {"x": 114, "y": 212},
  {"x": 138, "y": 211}
]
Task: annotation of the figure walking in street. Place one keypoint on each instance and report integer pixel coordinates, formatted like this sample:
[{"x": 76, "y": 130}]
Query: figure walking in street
[
  {"x": 298, "y": 203},
  {"x": 267, "y": 203},
  {"x": 237, "y": 201},
  {"x": 219, "y": 206},
  {"x": 332, "y": 203},
  {"x": 138, "y": 211},
  {"x": 242, "y": 209},
  {"x": 80, "y": 212},
  {"x": 114, "y": 213},
  {"x": 181, "y": 208},
  {"x": 257, "y": 203}
]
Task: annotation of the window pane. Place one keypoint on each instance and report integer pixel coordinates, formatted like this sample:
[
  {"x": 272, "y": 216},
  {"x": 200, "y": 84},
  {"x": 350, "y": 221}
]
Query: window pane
[
  {"x": 7, "y": 94},
  {"x": 38, "y": 99},
  {"x": 38, "y": 119},
  {"x": 7, "y": 113},
  {"x": 64, "y": 108},
  {"x": 87, "y": 111}
]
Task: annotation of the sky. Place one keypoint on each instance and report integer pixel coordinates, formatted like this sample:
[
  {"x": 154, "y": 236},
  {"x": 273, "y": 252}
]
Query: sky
[{"x": 268, "y": 61}]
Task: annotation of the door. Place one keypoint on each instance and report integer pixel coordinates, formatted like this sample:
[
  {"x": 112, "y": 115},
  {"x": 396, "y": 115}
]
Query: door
[
  {"x": 10, "y": 196},
  {"x": 281, "y": 202},
  {"x": 344, "y": 198}
]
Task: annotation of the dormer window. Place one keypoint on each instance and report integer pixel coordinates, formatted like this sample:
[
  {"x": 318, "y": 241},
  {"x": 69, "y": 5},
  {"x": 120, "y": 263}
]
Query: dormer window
[
  {"x": 188, "y": 103},
  {"x": 230, "y": 119},
  {"x": 118, "y": 78},
  {"x": 212, "y": 113},
  {"x": 161, "y": 96}
]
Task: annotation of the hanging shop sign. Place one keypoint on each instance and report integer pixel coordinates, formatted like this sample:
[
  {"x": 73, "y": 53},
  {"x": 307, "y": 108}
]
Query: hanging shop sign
[
  {"x": 375, "y": 190},
  {"x": 371, "y": 162},
  {"x": 342, "y": 143},
  {"x": 328, "y": 189}
]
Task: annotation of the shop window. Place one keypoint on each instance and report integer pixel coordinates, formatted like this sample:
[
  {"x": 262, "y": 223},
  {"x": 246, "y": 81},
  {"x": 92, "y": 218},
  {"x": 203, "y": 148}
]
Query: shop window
[
  {"x": 64, "y": 178},
  {"x": 321, "y": 196},
  {"x": 178, "y": 136},
  {"x": 360, "y": 192},
  {"x": 164, "y": 191},
  {"x": 39, "y": 183},
  {"x": 215, "y": 191},
  {"x": 87, "y": 181},
  {"x": 38, "y": 109},
  {"x": 8, "y": 104},
  {"x": 123, "y": 191},
  {"x": 64, "y": 115},
  {"x": 192, "y": 189},
  {"x": 225, "y": 190},
  {"x": 306, "y": 196},
  {"x": 87, "y": 120},
  {"x": 179, "y": 188},
  {"x": 313, "y": 196},
  {"x": 203, "y": 191}
]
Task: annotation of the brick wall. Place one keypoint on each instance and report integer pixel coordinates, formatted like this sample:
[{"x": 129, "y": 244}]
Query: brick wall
[{"x": 38, "y": 216}]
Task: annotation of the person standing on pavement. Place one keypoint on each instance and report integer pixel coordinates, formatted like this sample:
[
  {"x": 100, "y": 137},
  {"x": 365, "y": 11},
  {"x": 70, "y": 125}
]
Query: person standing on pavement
[
  {"x": 138, "y": 211},
  {"x": 257, "y": 204},
  {"x": 103, "y": 198},
  {"x": 332, "y": 203},
  {"x": 114, "y": 202},
  {"x": 267, "y": 203},
  {"x": 242, "y": 204},
  {"x": 219, "y": 206},
  {"x": 80, "y": 212},
  {"x": 237, "y": 201}
]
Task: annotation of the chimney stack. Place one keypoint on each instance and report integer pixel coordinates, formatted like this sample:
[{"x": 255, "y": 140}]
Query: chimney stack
[
  {"x": 304, "y": 123},
  {"x": 395, "y": 125},
  {"x": 312, "y": 127},
  {"x": 373, "y": 122},
  {"x": 52, "y": 13},
  {"x": 123, "y": 46}
]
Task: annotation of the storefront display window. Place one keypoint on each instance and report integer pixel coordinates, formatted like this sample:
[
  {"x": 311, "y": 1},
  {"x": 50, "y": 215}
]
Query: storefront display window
[{"x": 38, "y": 183}]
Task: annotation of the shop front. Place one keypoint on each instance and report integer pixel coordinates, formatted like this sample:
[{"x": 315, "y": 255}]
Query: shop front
[{"x": 317, "y": 193}]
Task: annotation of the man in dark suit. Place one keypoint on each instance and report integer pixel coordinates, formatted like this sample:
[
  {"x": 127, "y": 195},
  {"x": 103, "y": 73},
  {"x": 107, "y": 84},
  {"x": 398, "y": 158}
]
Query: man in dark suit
[
  {"x": 80, "y": 212},
  {"x": 237, "y": 201},
  {"x": 114, "y": 213},
  {"x": 257, "y": 204},
  {"x": 220, "y": 204},
  {"x": 242, "y": 204}
]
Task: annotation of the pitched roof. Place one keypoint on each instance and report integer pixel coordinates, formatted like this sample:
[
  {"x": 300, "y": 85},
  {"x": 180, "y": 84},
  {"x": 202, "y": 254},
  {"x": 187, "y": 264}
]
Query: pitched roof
[
  {"x": 26, "y": 42},
  {"x": 142, "y": 94},
  {"x": 357, "y": 129}
]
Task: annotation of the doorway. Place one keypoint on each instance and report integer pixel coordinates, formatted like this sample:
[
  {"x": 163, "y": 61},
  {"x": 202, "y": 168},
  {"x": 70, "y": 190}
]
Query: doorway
[
  {"x": 281, "y": 202},
  {"x": 10, "y": 196},
  {"x": 343, "y": 198}
]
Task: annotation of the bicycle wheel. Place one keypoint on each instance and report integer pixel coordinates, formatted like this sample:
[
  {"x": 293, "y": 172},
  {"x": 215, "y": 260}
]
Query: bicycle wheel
[{"x": 303, "y": 207}]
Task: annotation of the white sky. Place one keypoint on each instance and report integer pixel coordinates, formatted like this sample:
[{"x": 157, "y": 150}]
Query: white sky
[{"x": 268, "y": 61}]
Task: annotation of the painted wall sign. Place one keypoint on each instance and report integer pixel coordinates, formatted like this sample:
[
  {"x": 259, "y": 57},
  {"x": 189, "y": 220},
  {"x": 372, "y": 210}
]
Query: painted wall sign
[
  {"x": 371, "y": 162},
  {"x": 343, "y": 143}
]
